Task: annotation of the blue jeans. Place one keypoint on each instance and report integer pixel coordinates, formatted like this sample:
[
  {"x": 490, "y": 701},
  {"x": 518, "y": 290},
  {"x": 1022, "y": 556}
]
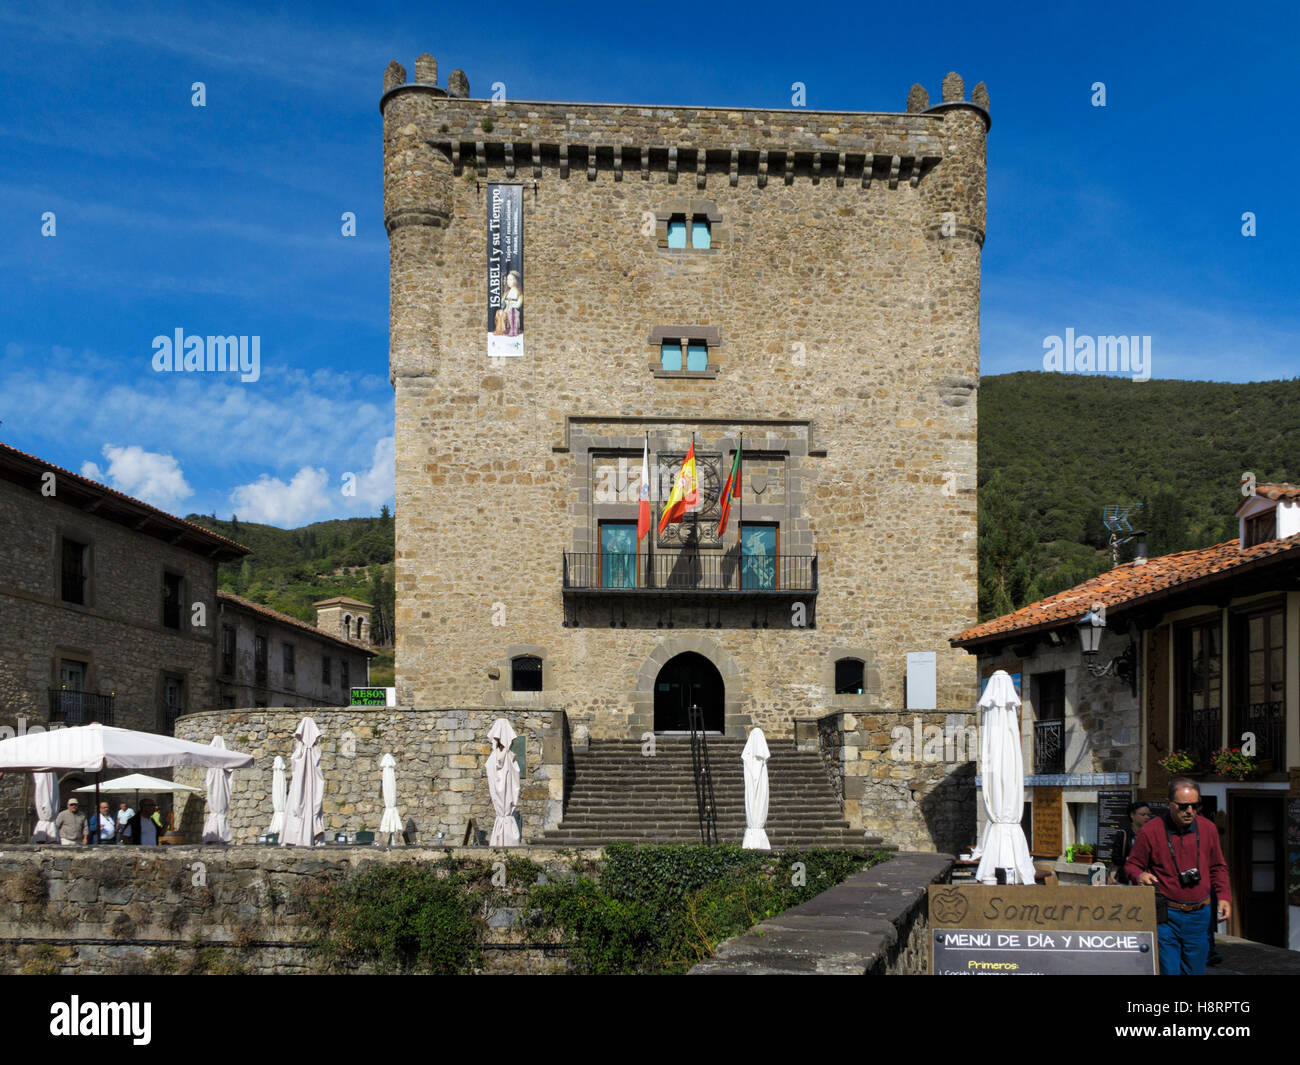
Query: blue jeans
[{"x": 1184, "y": 942}]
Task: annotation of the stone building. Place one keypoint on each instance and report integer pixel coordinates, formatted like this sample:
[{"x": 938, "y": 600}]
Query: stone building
[
  {"x": 1199, "y": 652},
  {"x": 267, "y": 658},
  {"x": 574, "y": 284},
  {"x": 107, "y": 609},
  {"x": 345, "y": 617}
]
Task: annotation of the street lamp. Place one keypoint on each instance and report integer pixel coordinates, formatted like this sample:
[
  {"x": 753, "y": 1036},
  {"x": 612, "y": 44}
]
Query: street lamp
[{"x": 1122, "y": 667}]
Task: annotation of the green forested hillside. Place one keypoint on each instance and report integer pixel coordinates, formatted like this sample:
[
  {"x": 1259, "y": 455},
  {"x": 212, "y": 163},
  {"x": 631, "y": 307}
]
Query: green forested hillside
[
  {"x": 1054, "y": 449},
  {"x": 292, "y": 568}
]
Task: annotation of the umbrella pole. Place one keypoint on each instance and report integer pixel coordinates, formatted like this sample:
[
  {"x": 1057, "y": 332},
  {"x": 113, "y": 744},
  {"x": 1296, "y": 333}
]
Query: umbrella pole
[{"x": 99, "y": 829}]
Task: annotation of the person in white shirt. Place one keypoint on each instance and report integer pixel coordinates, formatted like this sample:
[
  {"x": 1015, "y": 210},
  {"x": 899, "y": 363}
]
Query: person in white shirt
[{"x": 124, "y": 815}]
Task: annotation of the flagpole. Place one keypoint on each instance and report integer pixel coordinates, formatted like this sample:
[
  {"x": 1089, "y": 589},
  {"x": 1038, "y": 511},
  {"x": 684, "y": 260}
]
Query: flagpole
[
  {"x": 740, "y": 515},
  {"x": 650, "y": 533}
]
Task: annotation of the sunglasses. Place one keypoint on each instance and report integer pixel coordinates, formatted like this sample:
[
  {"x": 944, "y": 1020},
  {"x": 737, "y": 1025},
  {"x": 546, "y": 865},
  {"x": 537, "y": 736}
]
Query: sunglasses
[{"x": 1188, "y": 805}]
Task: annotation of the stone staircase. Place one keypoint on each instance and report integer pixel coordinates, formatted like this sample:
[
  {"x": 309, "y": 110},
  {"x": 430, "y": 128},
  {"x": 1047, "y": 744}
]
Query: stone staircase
[{"x": 620, "y": 794}]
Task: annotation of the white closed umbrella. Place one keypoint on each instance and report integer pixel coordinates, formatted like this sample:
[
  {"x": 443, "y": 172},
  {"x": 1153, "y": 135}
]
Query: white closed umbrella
[
  {"x": 754, "y": 757},
  {"x": 279, "y": 791},
  {"x": 503, "y": 784},
  {"x": 216, "y": 828},
  {"x": 47, "y": 797},
  {"x": 391, "y": 823},
  {"x": 304, "y": 812},
  {"x": 1003, "y": 844}
]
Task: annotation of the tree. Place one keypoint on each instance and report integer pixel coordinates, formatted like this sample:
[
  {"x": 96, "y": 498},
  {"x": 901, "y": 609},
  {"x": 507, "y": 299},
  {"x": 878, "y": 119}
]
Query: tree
[{"x": 1008, "y": 553}]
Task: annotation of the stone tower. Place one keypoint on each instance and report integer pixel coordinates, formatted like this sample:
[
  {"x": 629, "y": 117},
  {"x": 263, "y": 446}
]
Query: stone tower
[
  {"x": 344, "y": 616},
  {"x": 805, "y": 282}
]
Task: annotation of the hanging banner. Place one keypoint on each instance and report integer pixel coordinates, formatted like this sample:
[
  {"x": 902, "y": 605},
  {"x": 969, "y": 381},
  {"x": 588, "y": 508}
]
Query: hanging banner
[{"x": 505, "y": 273}]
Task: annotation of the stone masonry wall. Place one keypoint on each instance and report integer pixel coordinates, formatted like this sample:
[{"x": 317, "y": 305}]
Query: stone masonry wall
[
  {"x": 122, "y": 910},
  {"x": 440, "y": 756},
  {"x": 846, "y": 310},
  {"x": 119, "y": 633},
  {"x": 912, "y": 787}
]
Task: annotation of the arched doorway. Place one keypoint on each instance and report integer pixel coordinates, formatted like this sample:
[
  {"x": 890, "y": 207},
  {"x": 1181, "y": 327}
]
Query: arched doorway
[{"x": 685, "y": 679}]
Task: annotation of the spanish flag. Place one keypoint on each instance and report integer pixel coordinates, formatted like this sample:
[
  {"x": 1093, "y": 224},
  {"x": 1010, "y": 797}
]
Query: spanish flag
[
  {"x": 730, "y": 492},
  {"x": 684, "y": 494}
]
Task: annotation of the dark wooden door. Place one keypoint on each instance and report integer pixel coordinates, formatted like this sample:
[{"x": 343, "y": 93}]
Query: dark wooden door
[{"x": 1256, "y": 867}]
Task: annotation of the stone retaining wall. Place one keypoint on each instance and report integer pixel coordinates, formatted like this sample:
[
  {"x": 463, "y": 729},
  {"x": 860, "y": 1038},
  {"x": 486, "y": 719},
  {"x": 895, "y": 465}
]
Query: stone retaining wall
[
  {"x": 873, "y": 924},
  {"x": 119, "y": 910},
  {"x": 893, "y": 785},
  {"x": 440, "y": 756}
]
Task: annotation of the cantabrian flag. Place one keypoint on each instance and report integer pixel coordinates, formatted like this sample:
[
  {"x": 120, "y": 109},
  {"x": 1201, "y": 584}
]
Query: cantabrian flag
[
  {"x": 730, "y": 492},
  {"x": 684, "y": 494},
  {"x": 643, "y": 508}
]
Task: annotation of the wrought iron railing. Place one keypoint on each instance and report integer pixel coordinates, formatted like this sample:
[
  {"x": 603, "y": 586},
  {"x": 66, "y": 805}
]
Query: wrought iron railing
[
  {"x": 1049, "y": 746},
  {"x": 705, "y": 803},
  {"x": 72, "y": 707},
  {"x": 1267, "y": 722},
  {"x": 1199, "y": 732},
  {"x": 689, "y": 571}
]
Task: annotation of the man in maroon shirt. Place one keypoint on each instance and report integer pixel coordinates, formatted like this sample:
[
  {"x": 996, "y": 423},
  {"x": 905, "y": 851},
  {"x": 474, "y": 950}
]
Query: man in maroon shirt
[{"x": 1180, "y": 855}]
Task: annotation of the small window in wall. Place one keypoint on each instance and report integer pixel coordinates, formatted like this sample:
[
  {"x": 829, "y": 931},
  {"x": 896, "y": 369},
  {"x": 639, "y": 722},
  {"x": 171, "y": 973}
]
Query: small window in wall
[
  {"x": 670, "y": 354},
  {"x": 526, "y": 673},
  {"x": 701, "y": 235},
  {"x": 325, "y": 669},
  {"x": 697, "y": 356},
  {"x": 290, "y": 666},
  {"x": 75, "y": 571},
  {"x": 1261, "y": 528},
  {"x": 848, "y": 676},
  {"x": 259, "y": 660},
  {"x": 345, "y": 676},
  {"x": 173, "y": 594},
  {"x": 173, "y": 701},
  {"x": 227, "y": 650},
  {"x": 677, "y": 231}
]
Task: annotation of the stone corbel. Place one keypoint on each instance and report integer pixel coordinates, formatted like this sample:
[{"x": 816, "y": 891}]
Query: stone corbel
[
  {"x": 672, "y": 166},
  {"x": 734, "y": 170},
  {"x": 536, "y": 150},
  {"x": 510, "y": 159},
  {"x": 564, "y": 160},
  {"x": 480, "y": 158},
  {"x": 762, "y": 169},
  {"x": 894, "y": 164}
]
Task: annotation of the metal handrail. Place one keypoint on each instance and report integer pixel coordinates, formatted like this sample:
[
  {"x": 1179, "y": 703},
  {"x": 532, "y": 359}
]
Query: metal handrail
[
  {"x": 705, "y": 802},
  {"x": 73, "y": 707},
  {"x": 688, "y": 571}
]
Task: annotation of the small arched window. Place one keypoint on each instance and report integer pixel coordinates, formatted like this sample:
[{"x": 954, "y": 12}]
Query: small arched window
[
  {"x": 526, "y": 673},
  {"x": 848, "y": 676}
]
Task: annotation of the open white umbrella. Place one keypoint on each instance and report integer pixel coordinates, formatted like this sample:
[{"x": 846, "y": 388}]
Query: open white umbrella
[
  {"x": 503, "y": 784},
  {"x": 94, "y": 748},
  {"x": 47, "y": 797},
  {"x": 304, "y": 814},
  {"x": 1003, "y": 844},
  {"x": 216, "y": 828},
  {"x": 755, "y": 758},
  {"x": 391, "y": 823},
  {"x": 138, "y": 782},
  {"x": 279, "y": 789}
]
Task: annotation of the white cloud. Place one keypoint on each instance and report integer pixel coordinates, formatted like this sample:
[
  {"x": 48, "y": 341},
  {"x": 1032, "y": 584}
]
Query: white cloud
[
  {"x": 375, "y": 487},
  {"x": 149, "y": 475},
  {"x": 270, "y": 501}
]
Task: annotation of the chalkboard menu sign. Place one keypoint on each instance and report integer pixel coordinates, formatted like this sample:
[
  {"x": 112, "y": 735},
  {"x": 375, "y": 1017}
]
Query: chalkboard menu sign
[
  {"x": 1028, "y": 930},
  {"x": 1112, "y": 817}
]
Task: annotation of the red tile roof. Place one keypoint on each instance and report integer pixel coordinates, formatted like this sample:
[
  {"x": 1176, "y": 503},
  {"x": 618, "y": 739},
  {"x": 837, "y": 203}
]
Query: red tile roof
[
  {"x": 1130, "y": 584},
  {"x": 25, "y": 469},
  {"x": 286, "y": 619}
]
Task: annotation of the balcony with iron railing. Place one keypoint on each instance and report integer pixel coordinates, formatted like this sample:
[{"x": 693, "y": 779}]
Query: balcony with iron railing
[
  {"x": 1049, "y": 747},
  {"x": 1267, "y": 723},
  {"x": 71, "y": 707},
  {"x": 1199, "y": 733},
  {"x": 689, "y": 573}
]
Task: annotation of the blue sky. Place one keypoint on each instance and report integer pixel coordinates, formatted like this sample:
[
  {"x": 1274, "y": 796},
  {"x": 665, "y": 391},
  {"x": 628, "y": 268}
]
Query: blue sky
[{"x": 225, "y": 219}]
